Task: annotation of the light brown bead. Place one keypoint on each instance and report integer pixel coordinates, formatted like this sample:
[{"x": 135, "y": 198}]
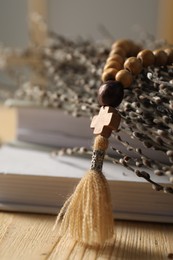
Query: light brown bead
[
  {"x": 126, "y": 45},
  {"x": 125, "y": 77},
  {"x": 109, "y": 74},
  {"x": 147, "y": 57},
  {"x": 134, "y": 65},
  {"x": 116, "y": 57},
  {"x": 113, "y": 64},
  {"x": 169, "y": 52},
  {"x": 160, "y": 57},
  {"x": 119, "y": 51}
]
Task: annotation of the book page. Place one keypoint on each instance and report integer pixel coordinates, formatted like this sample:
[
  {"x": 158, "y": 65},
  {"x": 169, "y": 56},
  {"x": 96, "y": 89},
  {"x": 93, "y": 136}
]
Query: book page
[{"x": 26, "y": 161}]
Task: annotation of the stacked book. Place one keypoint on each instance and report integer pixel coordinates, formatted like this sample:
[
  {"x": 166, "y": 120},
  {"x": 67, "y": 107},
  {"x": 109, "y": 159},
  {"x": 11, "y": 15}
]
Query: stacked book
[
  {"x": 53, "y": 128},
  {"x": 32, "y": 180}
]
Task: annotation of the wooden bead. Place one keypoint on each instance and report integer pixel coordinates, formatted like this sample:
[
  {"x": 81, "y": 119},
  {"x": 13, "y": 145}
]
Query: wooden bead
[
  {"x": 110, "y": 94},
  {"x": 126, "y": 45},
  {"x": 160, "y": 57},
  {"x": 134, "y": 65},
  {"x": 119, "y": 51},
  {"x": 147, "y": 57},
  {"x": 113, "y": 64},
  {"x": 125, "y": 77},
  {"x": 109, "y": 74},
  {"x": 116, "y": 57},
  {"x": 169, "y": 52}
]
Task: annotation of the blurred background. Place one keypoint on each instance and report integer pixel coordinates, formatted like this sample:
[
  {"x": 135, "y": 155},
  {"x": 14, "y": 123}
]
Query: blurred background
[{"x": 89, "y": 19}]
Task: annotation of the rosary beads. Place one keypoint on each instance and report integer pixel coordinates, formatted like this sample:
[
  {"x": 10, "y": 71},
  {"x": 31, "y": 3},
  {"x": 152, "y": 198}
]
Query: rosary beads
[
  {"x": 119, "y": 71},
  {"x": 87, "y": 215}
]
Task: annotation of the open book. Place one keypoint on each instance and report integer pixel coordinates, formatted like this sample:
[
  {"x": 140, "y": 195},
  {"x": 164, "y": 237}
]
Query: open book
[{"x": 31, "y": 180}]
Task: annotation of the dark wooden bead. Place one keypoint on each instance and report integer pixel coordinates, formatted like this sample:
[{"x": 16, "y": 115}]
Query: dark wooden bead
[{"x": 110, "y": 93}]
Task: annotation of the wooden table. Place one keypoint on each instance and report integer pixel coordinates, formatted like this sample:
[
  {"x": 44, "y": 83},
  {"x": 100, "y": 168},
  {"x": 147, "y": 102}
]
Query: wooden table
[{"x": 30, "y": 236}]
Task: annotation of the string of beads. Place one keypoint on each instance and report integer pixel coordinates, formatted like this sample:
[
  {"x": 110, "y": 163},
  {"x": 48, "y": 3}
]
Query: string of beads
[{"x": 126, "y": 60}]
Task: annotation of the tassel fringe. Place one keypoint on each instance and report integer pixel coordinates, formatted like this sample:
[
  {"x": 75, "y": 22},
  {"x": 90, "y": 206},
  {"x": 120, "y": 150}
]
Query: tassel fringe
[{"x": 87, "y": 214}]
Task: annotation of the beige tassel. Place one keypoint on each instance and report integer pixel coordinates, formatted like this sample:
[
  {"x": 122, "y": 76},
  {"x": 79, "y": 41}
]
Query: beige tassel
[{"x": 87, "y": 214}]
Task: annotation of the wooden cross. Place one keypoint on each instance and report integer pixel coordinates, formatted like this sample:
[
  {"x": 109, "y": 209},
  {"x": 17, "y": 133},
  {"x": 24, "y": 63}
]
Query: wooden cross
[{"x": 106, "y": 121}]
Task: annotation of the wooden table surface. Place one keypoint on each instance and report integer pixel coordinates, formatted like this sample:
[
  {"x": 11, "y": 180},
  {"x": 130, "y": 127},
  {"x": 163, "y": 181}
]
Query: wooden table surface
[{"x": 30, "y": 236}]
